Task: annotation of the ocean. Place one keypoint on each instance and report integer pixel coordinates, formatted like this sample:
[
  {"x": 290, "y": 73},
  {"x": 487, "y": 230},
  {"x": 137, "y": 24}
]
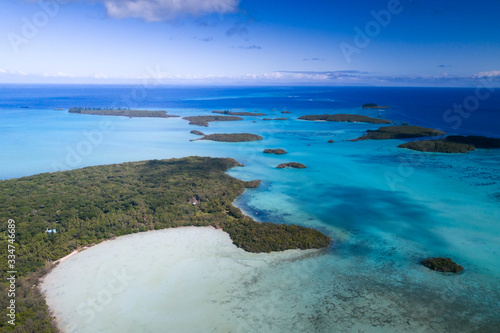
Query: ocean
[{"x": 386, "y": 208}]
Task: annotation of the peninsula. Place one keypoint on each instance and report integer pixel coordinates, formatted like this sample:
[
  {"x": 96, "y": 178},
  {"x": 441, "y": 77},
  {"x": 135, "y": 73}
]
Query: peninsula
[
  {"x": 204, "y": 120},
  {"x": 351, "y": 118},
  {"x": 399, "y": 132},
  {"x": 89, "y": 205},
  {"x": 231, "y": 137},
  {"x": 121, "y": 113}
]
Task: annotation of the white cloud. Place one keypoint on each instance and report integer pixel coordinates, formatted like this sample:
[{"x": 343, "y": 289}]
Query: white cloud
[
  {"x": 162, "y": 10},
  {"x": 488, "y": 74}
]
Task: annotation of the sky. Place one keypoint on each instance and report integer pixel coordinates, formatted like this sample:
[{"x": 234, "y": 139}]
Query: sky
[{"x": 251, "y": 42}]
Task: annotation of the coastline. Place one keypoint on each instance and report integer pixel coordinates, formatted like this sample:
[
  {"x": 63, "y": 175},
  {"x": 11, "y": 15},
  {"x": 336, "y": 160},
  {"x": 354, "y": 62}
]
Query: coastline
[{"x": 190, "y": 249}]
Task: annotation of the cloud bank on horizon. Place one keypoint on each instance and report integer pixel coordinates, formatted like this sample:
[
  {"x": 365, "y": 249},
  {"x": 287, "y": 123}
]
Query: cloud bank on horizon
[
  {"x": 377, "y": 42},
  {"x": 161, "y": 10}
]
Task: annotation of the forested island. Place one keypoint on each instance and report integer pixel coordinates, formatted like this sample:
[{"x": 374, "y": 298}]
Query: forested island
[
  {"x": 373, "y": 106},
  {"x": 121, "y": 113},
  {"x": 231, "y": 137},
  {"x": 399, "y": 132},
  {"x": 195, "y": 132},
  {"x": 89, "y": 205},
  {"x": 441, "y": 264},
  {"x": 277, "y": 151},
  {"x": 241, "y": 113},
  {"x": 293, "y": 165},
  {"x": 351, "y": 118},
  {"x": 204, "y": 120},
  {"x": 453, "y": 144}
]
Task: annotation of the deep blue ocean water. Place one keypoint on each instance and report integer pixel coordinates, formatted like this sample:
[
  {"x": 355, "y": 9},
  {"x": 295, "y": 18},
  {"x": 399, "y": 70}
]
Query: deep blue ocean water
[{"x": 386, "y": 208}]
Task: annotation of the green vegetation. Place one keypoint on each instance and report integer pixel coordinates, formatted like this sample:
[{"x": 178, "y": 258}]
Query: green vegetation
[
  {"x": 437, "y": 146},
  {"x": 476, "y": 141},
  {"x": 351, "y": 118},
  {"x": 252, "y": 183},
  {"x": 195, "y": 132},
  {"x": 240, "y": 113},
  {"x": 121, "y": 113},
  {"x": 441, "y": 264},
  {"x": 399, "y": 132},
  {"x": 278, "y": 151},
  {"x": 232, "y": 137},
  {"x": 373, "y": 106},
  {"x": 92, "y": 204},
  {"x": 294, "y": 165},
  {"x": 453, "y": 144},
  {"x": 204, "y": 120}
]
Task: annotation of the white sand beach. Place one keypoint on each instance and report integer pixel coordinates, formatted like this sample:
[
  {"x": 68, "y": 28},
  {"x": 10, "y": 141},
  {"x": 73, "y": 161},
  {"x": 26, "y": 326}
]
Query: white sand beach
[{"x": 174, "y": 280}]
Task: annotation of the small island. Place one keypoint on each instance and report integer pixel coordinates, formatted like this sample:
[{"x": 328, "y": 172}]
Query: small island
[
  {"x": 231, "y": 137},
  {"x": 441, "y": 264},
  {"x": 373, "y": 106},
  {"x": 195, "y": 132},
  {"x": 350, "y": 118},
  {"x": 285, "y": 112},
  {"x": 121, "y": 113},
  {"x": 204, "y": 120},
  {"x": 274, "y": 119},
  {"x": 453, "y": 144},
  {"x": 331, "y": 141},
  {"x": 293, "y": 165},
  {"x": 277, "y": 151},
  {"x": 240, "y": 113},
  {"x": 399, "y": 132}
]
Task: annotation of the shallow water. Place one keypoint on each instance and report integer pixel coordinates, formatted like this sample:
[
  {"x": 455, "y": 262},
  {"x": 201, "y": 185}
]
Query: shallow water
[{"x": 386, "y": 208}]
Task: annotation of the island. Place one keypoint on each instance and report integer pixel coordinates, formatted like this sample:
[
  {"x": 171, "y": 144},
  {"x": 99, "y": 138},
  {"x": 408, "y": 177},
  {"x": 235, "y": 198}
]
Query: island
[
  {"x": 373, "y": 106},
  {"x": 231, "y": 137},
  {"x": 293, "y": 165},
  {"x": 195, "y": 132},
  {"x": 204, "y": 120},
  {"x": 453, "y": 144},
  {"x": 121, "y": 113},
  {"x": 277, "y": 151},
  {"x": 351, "y": 118},
  {"x": 399, "y": 132},
  {"x": 285, "y": 112},
  {"x": 331, "y": 141},
  {"x": 241, "y": 113},
  {"x": 274, "y": 119},
  {"x": 438, "y": 146},
  {"x": 441, "y": 264},
  {"x": 87, "y": 206}
]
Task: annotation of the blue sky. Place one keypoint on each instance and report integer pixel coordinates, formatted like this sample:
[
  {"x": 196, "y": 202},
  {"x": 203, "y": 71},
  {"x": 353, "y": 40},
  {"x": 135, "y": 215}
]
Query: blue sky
[{"x": 364, "y": 42}]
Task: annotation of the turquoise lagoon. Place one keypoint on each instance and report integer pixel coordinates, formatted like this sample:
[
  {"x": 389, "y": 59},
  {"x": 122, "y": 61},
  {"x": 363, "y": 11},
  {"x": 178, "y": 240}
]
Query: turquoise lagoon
[{"x": 385, "y": 208}]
